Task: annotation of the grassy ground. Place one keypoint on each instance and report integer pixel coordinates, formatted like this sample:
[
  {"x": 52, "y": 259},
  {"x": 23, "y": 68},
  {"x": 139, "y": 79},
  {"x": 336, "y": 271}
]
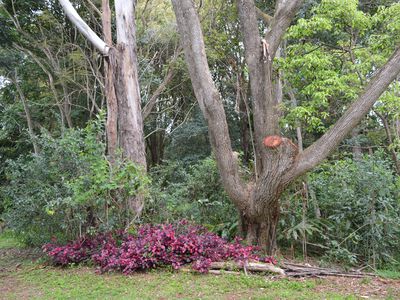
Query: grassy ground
[{"x": 20, "y": 278}]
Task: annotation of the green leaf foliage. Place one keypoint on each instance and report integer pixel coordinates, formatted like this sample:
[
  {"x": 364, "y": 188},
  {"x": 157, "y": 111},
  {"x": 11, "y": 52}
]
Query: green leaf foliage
[{"x": 69, "y": 188}]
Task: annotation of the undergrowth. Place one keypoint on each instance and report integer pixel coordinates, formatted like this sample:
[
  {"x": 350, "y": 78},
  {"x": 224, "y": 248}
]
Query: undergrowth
[{"x": 152, "y": 246}]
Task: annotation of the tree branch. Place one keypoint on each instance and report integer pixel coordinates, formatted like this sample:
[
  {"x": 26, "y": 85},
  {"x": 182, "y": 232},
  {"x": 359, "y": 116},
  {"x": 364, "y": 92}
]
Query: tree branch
[
  {"x": 284, "y": 14},
  {"x": 74, "y": 17},
  {"x": 209, "y": 100},
  {"x": 318, "y": 151},
  {"x": 251, "y": 36},
  {"x": 260, "y": 80},
  {"x": 94, "y": 7},
  {"x": 153, "y": 99},
  {"x": 168, "y": 77},
  {"x": 264, "y": 16},
  {"x": 27, "y": 113}
]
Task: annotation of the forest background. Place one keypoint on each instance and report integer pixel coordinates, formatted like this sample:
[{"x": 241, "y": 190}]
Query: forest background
[{"x": 56, "y": 179}]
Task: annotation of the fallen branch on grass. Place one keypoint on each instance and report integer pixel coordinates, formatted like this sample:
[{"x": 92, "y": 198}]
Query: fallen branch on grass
[
  {"x": 214, "y": 272},
  {"x": 288, "y": 269},
  {"x": 296, "y": 270},
  {"x": 232, "y": 267},
  {"x": 249, "y": 266}
]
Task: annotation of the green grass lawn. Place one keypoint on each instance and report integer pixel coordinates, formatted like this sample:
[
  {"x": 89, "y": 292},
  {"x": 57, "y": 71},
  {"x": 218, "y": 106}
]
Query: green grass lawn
[{"x": 20, "y": 278}]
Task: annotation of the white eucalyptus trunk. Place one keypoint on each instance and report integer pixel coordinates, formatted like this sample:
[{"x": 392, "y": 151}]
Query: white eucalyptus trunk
[{"x": 122, "y": 85}]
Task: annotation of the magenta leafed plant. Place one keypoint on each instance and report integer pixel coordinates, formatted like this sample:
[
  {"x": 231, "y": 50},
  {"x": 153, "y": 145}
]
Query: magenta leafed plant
[{"x": 153, "y": 246}]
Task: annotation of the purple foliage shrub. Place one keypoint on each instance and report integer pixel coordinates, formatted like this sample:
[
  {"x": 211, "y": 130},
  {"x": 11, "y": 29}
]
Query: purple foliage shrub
[{"x": 153, "y": 246}]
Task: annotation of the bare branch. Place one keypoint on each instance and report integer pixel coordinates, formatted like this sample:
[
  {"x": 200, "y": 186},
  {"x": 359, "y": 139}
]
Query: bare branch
[
  {"x": 153, "y": 99},
  {"x": 168, "y": 77},
  {"x": 51, "y": 80},
  {"x": 74, "y": 17},
  {"x": 27, "y": 112},
  {"x": 264, "y": 16},
  {"x": 94, "y": 7}
]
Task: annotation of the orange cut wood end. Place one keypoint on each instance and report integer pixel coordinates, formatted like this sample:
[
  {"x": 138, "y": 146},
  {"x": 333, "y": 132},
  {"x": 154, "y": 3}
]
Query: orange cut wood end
[{"x": 272, "y": 141}]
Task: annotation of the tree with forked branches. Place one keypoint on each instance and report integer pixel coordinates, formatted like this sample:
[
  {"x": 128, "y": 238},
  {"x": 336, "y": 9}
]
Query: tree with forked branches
[{"x": 278, "y": 161}]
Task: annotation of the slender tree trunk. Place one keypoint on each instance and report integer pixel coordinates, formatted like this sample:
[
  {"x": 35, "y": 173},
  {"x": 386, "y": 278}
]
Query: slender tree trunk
[
  {"x": 66, "y": 102},
  {"x": 27, "y": 114},
  {"x": 389, "y": 137},
  {"x": 155, "y": 146},
  {"x": 299, "y": 134},
  {"x": 356, "y": 147},
  {"x": 109, "y": 78}
]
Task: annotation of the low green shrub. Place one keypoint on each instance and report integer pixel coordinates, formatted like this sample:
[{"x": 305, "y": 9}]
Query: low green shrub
[
  {"x": 193, "y": 193},
  {"x": 350, "y": 212},
  {"x": 69, "y": 188}
]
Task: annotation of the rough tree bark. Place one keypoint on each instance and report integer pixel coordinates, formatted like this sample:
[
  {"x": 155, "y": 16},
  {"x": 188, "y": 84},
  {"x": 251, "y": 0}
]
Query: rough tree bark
[
  {"x": 278, "y": 160},
  {"x": 130, "y": 120},
  {"x": 124, "y": 123},
  {"x": 109, "y": 78},
  {"x": 124, "y": 115}
]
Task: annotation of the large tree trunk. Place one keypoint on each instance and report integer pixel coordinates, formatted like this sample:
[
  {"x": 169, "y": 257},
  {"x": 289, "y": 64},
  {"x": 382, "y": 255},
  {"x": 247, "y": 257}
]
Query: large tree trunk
[
  {"x": 262, "y": 232},
  {"x": 257, "y": 201},
  {"x": 278, "y": 160},
  {"x": 130, "y": 122},
  {"x": 127, "y": 84},
  {"x": 262, "y": 214}
]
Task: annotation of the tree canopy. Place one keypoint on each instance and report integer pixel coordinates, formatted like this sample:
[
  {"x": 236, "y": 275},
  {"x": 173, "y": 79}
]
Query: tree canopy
[{"x": 274, "y": 95}]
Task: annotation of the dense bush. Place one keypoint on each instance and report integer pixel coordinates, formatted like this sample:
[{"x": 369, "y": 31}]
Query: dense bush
[
  {"x": 194, "y": 194},
  {"x": 348, "y": 213},
  {"x": 351, "y": 211},
  {"x": 69, "y": 188},
  {"x": 153, "y": 246}
]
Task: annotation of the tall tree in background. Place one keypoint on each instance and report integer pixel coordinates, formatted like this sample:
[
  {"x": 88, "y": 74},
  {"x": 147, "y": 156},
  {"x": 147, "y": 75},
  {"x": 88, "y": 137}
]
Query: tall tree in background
[
  {"x": 278, "y": 161},
  {"x": 122, "y": 85}
]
